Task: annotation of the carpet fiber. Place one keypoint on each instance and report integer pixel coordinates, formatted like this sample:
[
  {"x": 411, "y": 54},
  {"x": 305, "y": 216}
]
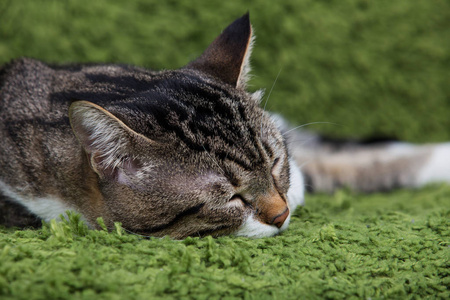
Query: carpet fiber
[
  {"x": 343, "y": 246},
  {"x": 375, "y": 68}
]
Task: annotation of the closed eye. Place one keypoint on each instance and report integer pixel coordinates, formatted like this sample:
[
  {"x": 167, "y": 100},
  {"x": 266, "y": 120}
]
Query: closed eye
[
  {"x": 280, "y": 178},
  {"x": 275, "y": 163},
  {"x": 276, "y": 168},
  {"x": 238, "y": 197}
]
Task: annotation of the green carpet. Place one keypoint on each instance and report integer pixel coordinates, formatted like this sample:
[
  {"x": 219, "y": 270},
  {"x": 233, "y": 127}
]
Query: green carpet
[
  {"x": 344, "y": 246},
  {"x": 376, "y": 68}
]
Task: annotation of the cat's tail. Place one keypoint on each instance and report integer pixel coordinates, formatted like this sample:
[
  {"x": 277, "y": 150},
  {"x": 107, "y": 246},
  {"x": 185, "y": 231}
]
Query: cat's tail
[{"x": 366, "y": 167}]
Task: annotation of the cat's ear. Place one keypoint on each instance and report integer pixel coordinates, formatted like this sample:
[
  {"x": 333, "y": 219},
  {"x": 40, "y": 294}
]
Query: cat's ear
[
  {"x": 109, "y": 143},
  {"x": 227, "y": 58}
]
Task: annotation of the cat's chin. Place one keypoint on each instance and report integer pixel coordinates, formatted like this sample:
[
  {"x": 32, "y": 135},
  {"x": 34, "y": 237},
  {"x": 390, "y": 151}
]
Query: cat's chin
[{"x": 253, "y": 228}]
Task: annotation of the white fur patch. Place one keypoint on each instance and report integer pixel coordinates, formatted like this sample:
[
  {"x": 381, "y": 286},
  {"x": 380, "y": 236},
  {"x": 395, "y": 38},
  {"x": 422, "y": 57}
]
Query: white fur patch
[
  {"x": 279, "y": 122},
  {"x": 399, "y": 149},
  {"x": 46, "y": 208},
  {"x": 437, "y": 168},
  {"x": 257, "y": 96},
  {"x": 296, "y": 193},
  {"x": 253, "y": 228}
]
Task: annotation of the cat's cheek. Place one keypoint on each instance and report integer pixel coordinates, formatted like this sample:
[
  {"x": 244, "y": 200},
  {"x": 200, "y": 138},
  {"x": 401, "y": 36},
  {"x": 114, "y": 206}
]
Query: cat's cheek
[{"x": 122, "y": 178}]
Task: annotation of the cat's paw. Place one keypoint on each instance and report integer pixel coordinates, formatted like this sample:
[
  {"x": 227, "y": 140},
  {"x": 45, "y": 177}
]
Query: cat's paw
[{"x": 437, "y": 167}]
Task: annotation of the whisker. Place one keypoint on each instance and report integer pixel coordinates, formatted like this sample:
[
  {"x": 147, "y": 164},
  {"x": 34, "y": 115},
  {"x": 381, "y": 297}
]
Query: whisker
[
  {"x": 215, "y": 161},
  {"x": 267, "y": 99},
  {"x": 312, "y": 123},
  {"x": 305, "y": 163},
  {"x": 300, "y": 142},
  {"x": 137, "y": 234},
  {"x": 271, "y": 89}
]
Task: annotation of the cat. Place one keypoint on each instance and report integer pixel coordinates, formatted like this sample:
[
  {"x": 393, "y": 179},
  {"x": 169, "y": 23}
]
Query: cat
[{"x": 187, "y": 152}]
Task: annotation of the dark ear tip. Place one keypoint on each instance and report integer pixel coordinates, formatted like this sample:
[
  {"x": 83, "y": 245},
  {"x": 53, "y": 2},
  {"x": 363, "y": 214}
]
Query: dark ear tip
[
  {"x": 225, "y": 56},
  {"x": 240, "y": 25},
  {"x": 243, "y": 21}
]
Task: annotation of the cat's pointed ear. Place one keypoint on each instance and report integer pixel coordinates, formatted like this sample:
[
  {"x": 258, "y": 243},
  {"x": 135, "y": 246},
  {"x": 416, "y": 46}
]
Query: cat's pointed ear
[
  {"x": 109, "y": 143},
  {"x": 227, "y": 58}
]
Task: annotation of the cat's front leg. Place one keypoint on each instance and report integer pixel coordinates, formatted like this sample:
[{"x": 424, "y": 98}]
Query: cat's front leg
[
  {"x": 374, "y": 168},
  {"x": 437, "y": 167}
]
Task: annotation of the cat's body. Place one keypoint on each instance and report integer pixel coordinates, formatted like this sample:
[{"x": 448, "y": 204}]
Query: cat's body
[
  {"x": 183, "y": 152},
  {"x": 365, "y": 166}
]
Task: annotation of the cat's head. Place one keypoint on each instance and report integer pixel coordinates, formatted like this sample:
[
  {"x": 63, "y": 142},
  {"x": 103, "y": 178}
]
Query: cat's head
[{"x": 193, "y": 154}]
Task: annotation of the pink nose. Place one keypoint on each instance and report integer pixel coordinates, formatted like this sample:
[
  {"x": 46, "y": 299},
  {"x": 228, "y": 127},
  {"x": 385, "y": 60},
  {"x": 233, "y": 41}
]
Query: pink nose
[{"x": 279, "y": 220}]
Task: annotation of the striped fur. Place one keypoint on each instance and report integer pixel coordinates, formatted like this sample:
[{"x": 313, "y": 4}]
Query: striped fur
[
  {"x": 184, "y": 152},
  {"x": 179, "y": 152}
]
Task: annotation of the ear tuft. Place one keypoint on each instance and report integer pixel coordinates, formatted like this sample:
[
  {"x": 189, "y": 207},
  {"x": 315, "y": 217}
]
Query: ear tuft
[
  {"x": 105, "y": 138},
  {"x": 258, "y": 95},
  {"x": 228, "y": 56}
]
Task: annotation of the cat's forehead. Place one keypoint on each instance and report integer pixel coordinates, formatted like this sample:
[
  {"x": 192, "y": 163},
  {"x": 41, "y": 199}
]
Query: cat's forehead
[
  {"x": 200, "y": 118},
  {"x": 196, "y": 103},
  {"x": 195, "y": 83}
]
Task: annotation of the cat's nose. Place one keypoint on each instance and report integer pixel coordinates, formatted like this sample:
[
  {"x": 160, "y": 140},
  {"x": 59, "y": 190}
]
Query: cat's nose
[
  {"x": 273, "y": 209},
  {"x": 279, "y": 220}
]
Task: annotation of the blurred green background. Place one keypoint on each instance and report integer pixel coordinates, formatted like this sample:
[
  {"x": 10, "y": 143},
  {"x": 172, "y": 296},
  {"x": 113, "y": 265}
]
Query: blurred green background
[
  {"x": 376, "y": 68},
  {"x": 373, "y": 67}
]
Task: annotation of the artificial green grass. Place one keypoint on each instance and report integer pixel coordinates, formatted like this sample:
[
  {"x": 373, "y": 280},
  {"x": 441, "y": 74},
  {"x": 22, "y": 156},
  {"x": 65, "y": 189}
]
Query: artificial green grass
[
  {"x": 374, "y": 67},
  {"x": 342, "y": 247}
]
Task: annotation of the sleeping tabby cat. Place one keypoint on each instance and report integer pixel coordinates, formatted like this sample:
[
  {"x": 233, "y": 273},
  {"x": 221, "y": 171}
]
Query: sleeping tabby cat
[{"x": 185, "y": 152}]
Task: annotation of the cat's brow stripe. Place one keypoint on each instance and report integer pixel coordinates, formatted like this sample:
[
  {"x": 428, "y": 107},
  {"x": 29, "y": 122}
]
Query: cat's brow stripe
[
  {"x": 267, "y": 148},
  {"x": 199, "y": 114},
  {"x": 241, "y": 161},
  {"x": 225, "y": 105}
]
